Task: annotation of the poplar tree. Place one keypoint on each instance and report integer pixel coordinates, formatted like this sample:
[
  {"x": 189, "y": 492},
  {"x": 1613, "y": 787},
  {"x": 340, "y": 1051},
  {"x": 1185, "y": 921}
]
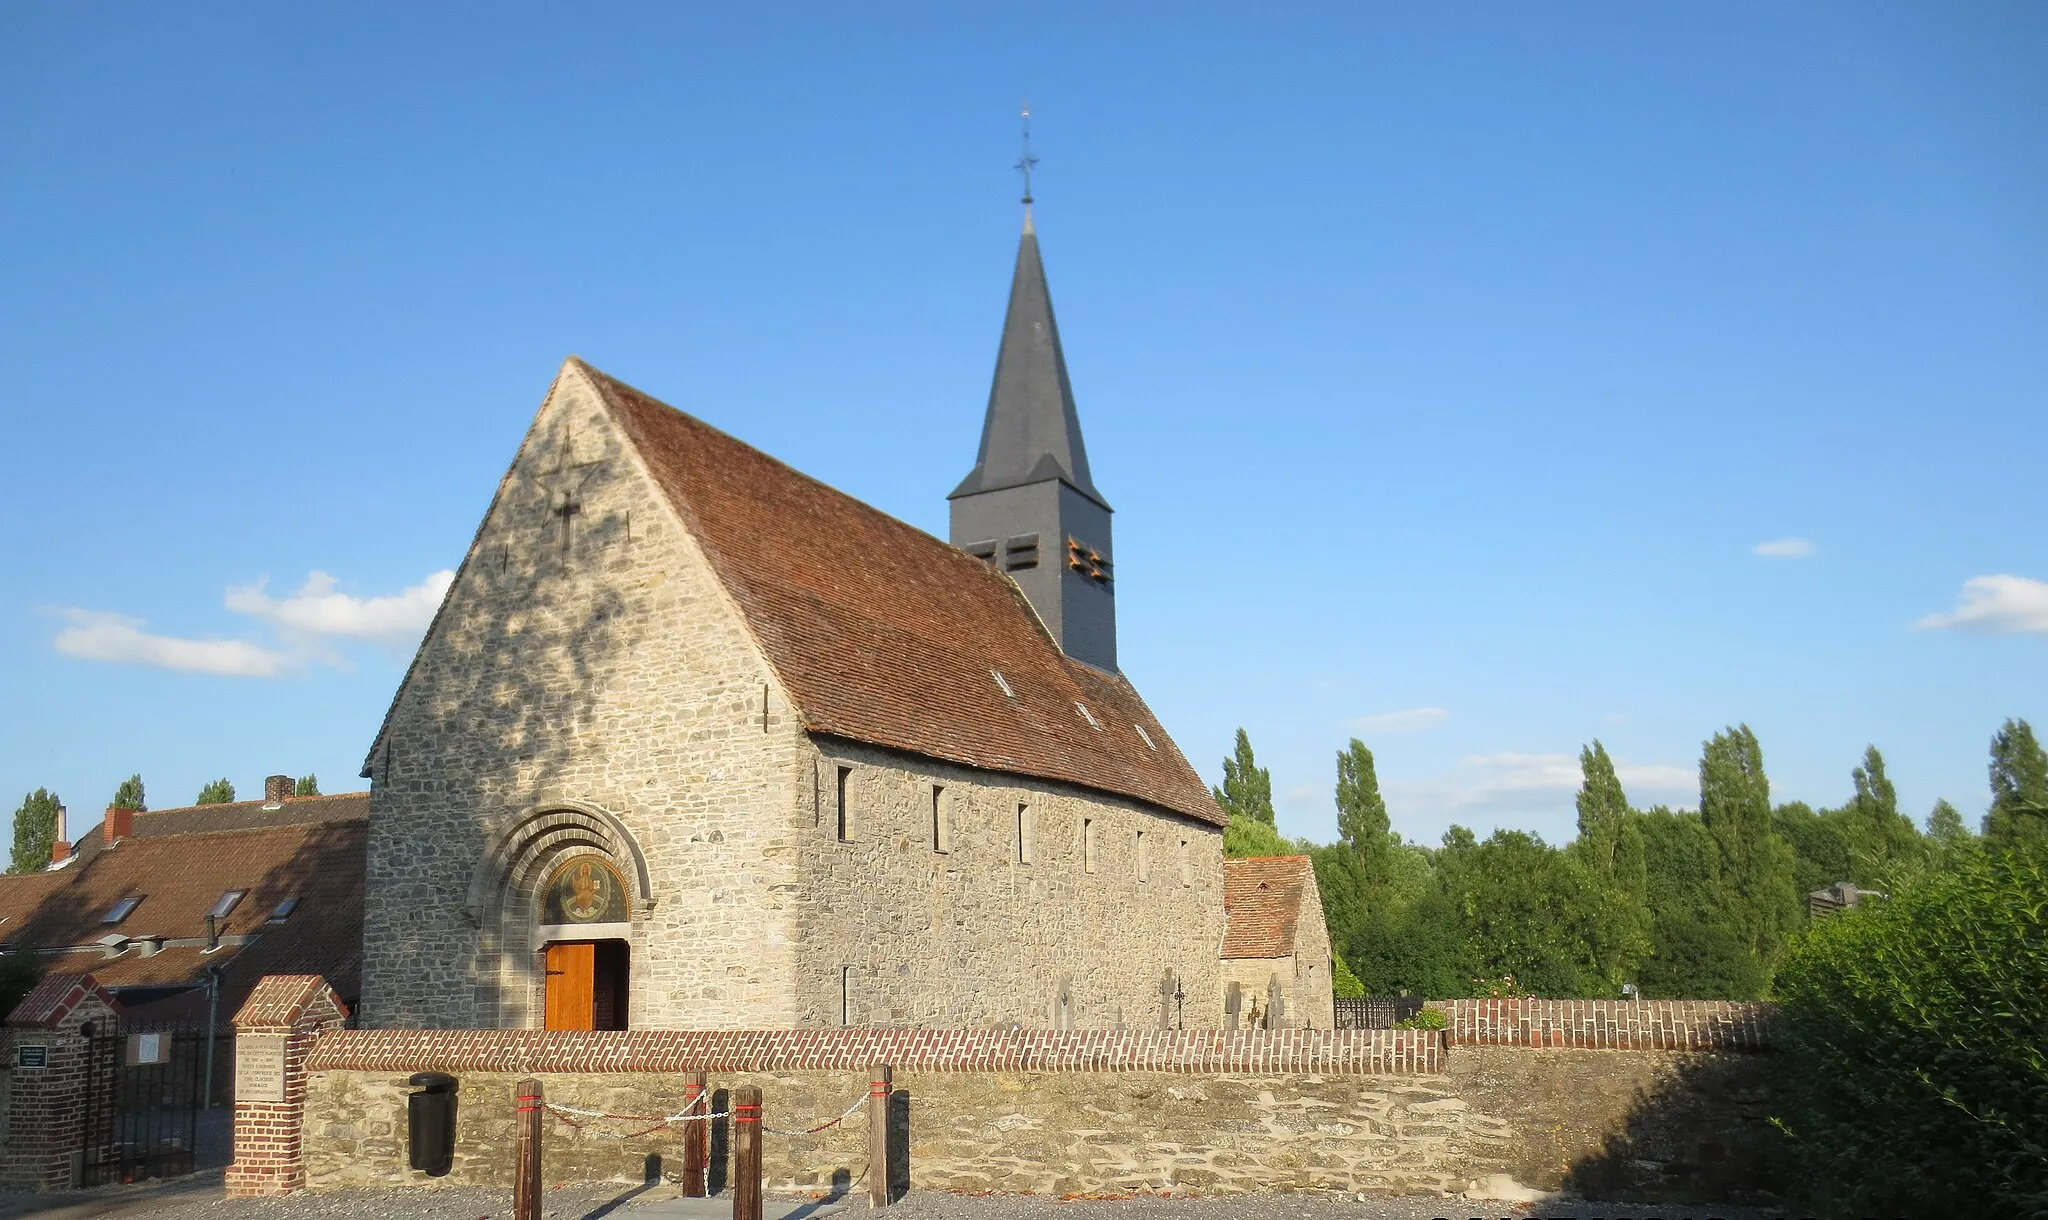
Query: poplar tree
[
  {"x": 1881, "y": 835},
  {"x": 1362, "y": 813},
  {"x": 2019, "y": 786},
  {"x": 1758, "y": 890},
  {"x": 129, "y": 795},
  {"x": 1610, "y": 851},
  {"x": 1247, "y": 790},
  {"x": 307, "y": 785},
  {"x": 219, "y": 792},
  {"x": 35, "y": 829},
  {"x": 1945, "y": 829}
]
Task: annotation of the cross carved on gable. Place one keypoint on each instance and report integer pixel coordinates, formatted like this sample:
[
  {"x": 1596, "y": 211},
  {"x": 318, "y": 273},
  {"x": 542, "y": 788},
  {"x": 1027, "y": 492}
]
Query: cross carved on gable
[{"x": 564, "y": 487}]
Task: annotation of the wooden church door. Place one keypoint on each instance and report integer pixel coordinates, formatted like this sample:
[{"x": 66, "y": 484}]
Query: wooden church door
[{"x": 586, "y": 984}]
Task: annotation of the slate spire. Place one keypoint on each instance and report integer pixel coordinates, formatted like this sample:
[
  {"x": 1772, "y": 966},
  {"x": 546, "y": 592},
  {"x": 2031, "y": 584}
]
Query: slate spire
[
  {"x": 1031, "y": 433},
  {"x": 1029, "y": 507}
]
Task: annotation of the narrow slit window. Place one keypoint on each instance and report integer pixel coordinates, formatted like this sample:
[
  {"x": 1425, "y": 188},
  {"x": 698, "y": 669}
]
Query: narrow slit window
[
  {"x": 1088, "y": 845},
  {"x": 942, "y": 823},
  {"x": 845, "y": 829},
  {"x": 122, "y": 909},
  {"x": 1187, "y": 873},
  {"x": 227, "y": 903},
  {"x": 284, "y": 909},
  {"x": 845, "y": 995},
  {"x": 1144, "y": 858},
  {"x": 1027, "y": 831}
]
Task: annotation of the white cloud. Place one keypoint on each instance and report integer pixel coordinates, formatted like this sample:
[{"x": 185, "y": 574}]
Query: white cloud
[
  {"x": 1512, "y": 778},
  {"x": 1408, "y": 720},
  {"x": 301, "y": 623},
  {"x": 2002, "y": 603},
  {"x": 1784, "y": 548},
  {"x": 98, "y": 636},
  {"x": 1298, "y": 797},
  {"x": 318, "y": 610}
]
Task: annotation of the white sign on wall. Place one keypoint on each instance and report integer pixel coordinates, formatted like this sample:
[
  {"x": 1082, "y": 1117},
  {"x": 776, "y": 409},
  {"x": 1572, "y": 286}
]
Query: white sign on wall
[{"x": 259, "y": 1067}]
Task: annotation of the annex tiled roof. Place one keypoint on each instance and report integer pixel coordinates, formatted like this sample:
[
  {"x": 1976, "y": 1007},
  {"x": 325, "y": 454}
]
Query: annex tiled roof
[
  {"x": 884, "y": 634},
  {"x": 318, "y": 859},
  {"x": 1262, "y": 904}
]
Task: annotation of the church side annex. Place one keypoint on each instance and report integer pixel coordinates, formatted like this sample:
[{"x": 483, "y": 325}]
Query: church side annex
[{"x": 696, "y": 741}]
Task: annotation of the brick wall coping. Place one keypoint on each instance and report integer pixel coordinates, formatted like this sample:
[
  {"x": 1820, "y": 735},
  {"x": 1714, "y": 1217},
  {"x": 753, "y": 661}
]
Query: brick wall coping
[
  {"x": 56, "y": 997},
  {"x": 278, "y": 1001},
  {"x": 1728, "y": 1025},
  {"x": 1325, "y": 1052}
]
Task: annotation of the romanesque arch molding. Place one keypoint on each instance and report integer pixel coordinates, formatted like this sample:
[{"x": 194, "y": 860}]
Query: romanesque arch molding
[
  {"x": 538, "y": 836},
  {"x": 506, "y": 883}
]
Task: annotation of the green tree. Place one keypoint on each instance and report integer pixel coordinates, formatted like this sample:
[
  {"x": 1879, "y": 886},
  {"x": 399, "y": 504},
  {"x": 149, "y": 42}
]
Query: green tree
[
  {"x": 1915, "y": 1065},
  {"x": 2019, "y": 785},
  {"x": 1362, "y": 813},
  {"x": 129, "y": 795},
  {"x": 1697, "y": 949},
  {"x": 1880, "y": 837},
  {"x": 1758, "y": 887},
  {"x": 1820, "y": 847},
  {"x": 218, "y": 792},
  {"x": 1343, "y": 983},
  {"x": 1244, "y": 838},
  {"x": 35, "y": 829},
  {"x": 1946, "y": 833},
  {"x": 307, "y": 785},
  {"x": 1610, "y": 851},
  {"x": 1247, "y": 789}
]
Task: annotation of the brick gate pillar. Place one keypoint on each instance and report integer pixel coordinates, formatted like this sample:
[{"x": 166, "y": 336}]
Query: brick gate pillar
[
  {"x": 274, "y": 1031},
  {"x": 46, "y": 1050}
]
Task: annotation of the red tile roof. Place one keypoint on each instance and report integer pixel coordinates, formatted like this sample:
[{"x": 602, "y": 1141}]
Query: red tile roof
[
  {"x": 883, "y": 634},
  {"x": 317, "y": 858},
  {"x": 1262, "y": 904},
  {"x": 55, "y": 998}
]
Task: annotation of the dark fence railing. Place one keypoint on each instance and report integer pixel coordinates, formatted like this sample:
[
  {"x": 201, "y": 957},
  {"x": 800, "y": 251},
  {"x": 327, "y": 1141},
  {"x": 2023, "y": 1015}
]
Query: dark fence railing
[{"x": 1376, "y": 1012}]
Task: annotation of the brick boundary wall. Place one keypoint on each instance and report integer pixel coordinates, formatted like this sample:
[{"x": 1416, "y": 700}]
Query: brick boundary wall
[
  {"x": 1322, "y": 1052},
  {"x": 1619, "y": 1025},
  {"x": 46, "y": 1133},
  {"x": 269, "y": 1136}
]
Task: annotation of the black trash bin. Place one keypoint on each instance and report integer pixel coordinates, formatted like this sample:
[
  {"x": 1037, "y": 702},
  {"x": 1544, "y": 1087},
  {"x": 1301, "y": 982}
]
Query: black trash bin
[{"x": 430, "y": 1123}]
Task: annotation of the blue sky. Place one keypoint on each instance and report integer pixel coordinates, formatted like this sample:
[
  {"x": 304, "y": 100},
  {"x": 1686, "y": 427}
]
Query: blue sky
[{"x": 1447, "y": 366}]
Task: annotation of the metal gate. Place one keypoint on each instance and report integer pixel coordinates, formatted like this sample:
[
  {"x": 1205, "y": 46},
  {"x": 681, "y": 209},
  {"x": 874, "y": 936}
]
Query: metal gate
[
  {"x": 1376, "y": 1012},
  {"x": 142, "y": 1101}
]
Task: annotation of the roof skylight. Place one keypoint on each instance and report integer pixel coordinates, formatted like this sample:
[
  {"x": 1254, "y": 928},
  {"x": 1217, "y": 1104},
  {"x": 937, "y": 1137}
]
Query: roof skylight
[
  {"x": 1146, "y": 737},
  {"x": 1002, "y": 682},
  {"x": 227, "y": 903},
  {"x": 1088, "y": 716},
  {"x": 284, "y": 910},
  {"x": 122, "y": 909}
]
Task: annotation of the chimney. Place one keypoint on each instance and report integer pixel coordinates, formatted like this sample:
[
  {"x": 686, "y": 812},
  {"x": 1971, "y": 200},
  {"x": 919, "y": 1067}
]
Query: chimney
[
  {"x": 275, "y": 789},
  {"x": 60, "y": 847},
  {"x": 120, "y": 824}
]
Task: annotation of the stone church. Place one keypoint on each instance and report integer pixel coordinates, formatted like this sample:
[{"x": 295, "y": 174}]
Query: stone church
[{"x": 696, "y": 741}]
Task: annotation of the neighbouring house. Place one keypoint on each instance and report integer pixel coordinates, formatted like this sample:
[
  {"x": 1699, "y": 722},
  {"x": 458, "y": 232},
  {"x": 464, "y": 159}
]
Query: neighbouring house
[
  {"x": 1276, "y": 948},
  {"x": 698, "y": 741},
  {"x": 181, "y": 910}
]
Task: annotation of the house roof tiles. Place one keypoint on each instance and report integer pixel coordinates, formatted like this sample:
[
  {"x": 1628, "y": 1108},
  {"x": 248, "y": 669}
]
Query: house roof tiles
[{"x": 1262, "y": 899}]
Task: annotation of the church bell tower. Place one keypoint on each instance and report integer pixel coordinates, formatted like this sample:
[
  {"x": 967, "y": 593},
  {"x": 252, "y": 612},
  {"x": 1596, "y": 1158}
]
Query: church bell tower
[{"x": 1029, "y": 506}]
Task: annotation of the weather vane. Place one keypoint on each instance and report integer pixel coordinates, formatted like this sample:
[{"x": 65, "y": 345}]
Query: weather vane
[{"x": 1025, "y": 162}]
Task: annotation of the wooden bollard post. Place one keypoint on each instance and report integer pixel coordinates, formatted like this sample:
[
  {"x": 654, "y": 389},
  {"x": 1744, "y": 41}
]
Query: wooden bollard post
[
  {"x": 696, "y": 1135},
  {"x": 746, "y": 1153},
  {"x": 526, "y": 1151},
  {"x": 878, "y": 1136}
]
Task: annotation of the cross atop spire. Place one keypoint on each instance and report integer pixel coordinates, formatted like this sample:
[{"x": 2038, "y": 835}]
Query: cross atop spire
[{"x": 1026, "y": 162}]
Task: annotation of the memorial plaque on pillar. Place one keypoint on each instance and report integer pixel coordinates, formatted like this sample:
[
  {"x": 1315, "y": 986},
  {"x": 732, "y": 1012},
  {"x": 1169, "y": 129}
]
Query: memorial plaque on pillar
[{"x": 259, "y": 1067}]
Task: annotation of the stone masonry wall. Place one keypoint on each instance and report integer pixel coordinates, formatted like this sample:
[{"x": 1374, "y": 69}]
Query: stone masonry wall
[
  {"x": 585, "y": 657},
  {"x": 1548, "y": 1119},
  {"x": 974, "y": 935}
]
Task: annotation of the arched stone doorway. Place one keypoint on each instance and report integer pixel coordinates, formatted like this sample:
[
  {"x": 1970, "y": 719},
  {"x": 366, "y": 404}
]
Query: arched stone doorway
[{"x": 556, "y": 902}]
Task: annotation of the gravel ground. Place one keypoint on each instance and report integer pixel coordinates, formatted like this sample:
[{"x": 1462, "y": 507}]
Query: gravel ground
[{"x": 200, "y": 1198}]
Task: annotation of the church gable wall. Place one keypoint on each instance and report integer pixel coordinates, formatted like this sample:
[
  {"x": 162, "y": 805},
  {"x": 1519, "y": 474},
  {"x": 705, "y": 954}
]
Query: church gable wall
[
  {"x": 974, "y": 936},
  {"x": 587, "y": 687}
]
